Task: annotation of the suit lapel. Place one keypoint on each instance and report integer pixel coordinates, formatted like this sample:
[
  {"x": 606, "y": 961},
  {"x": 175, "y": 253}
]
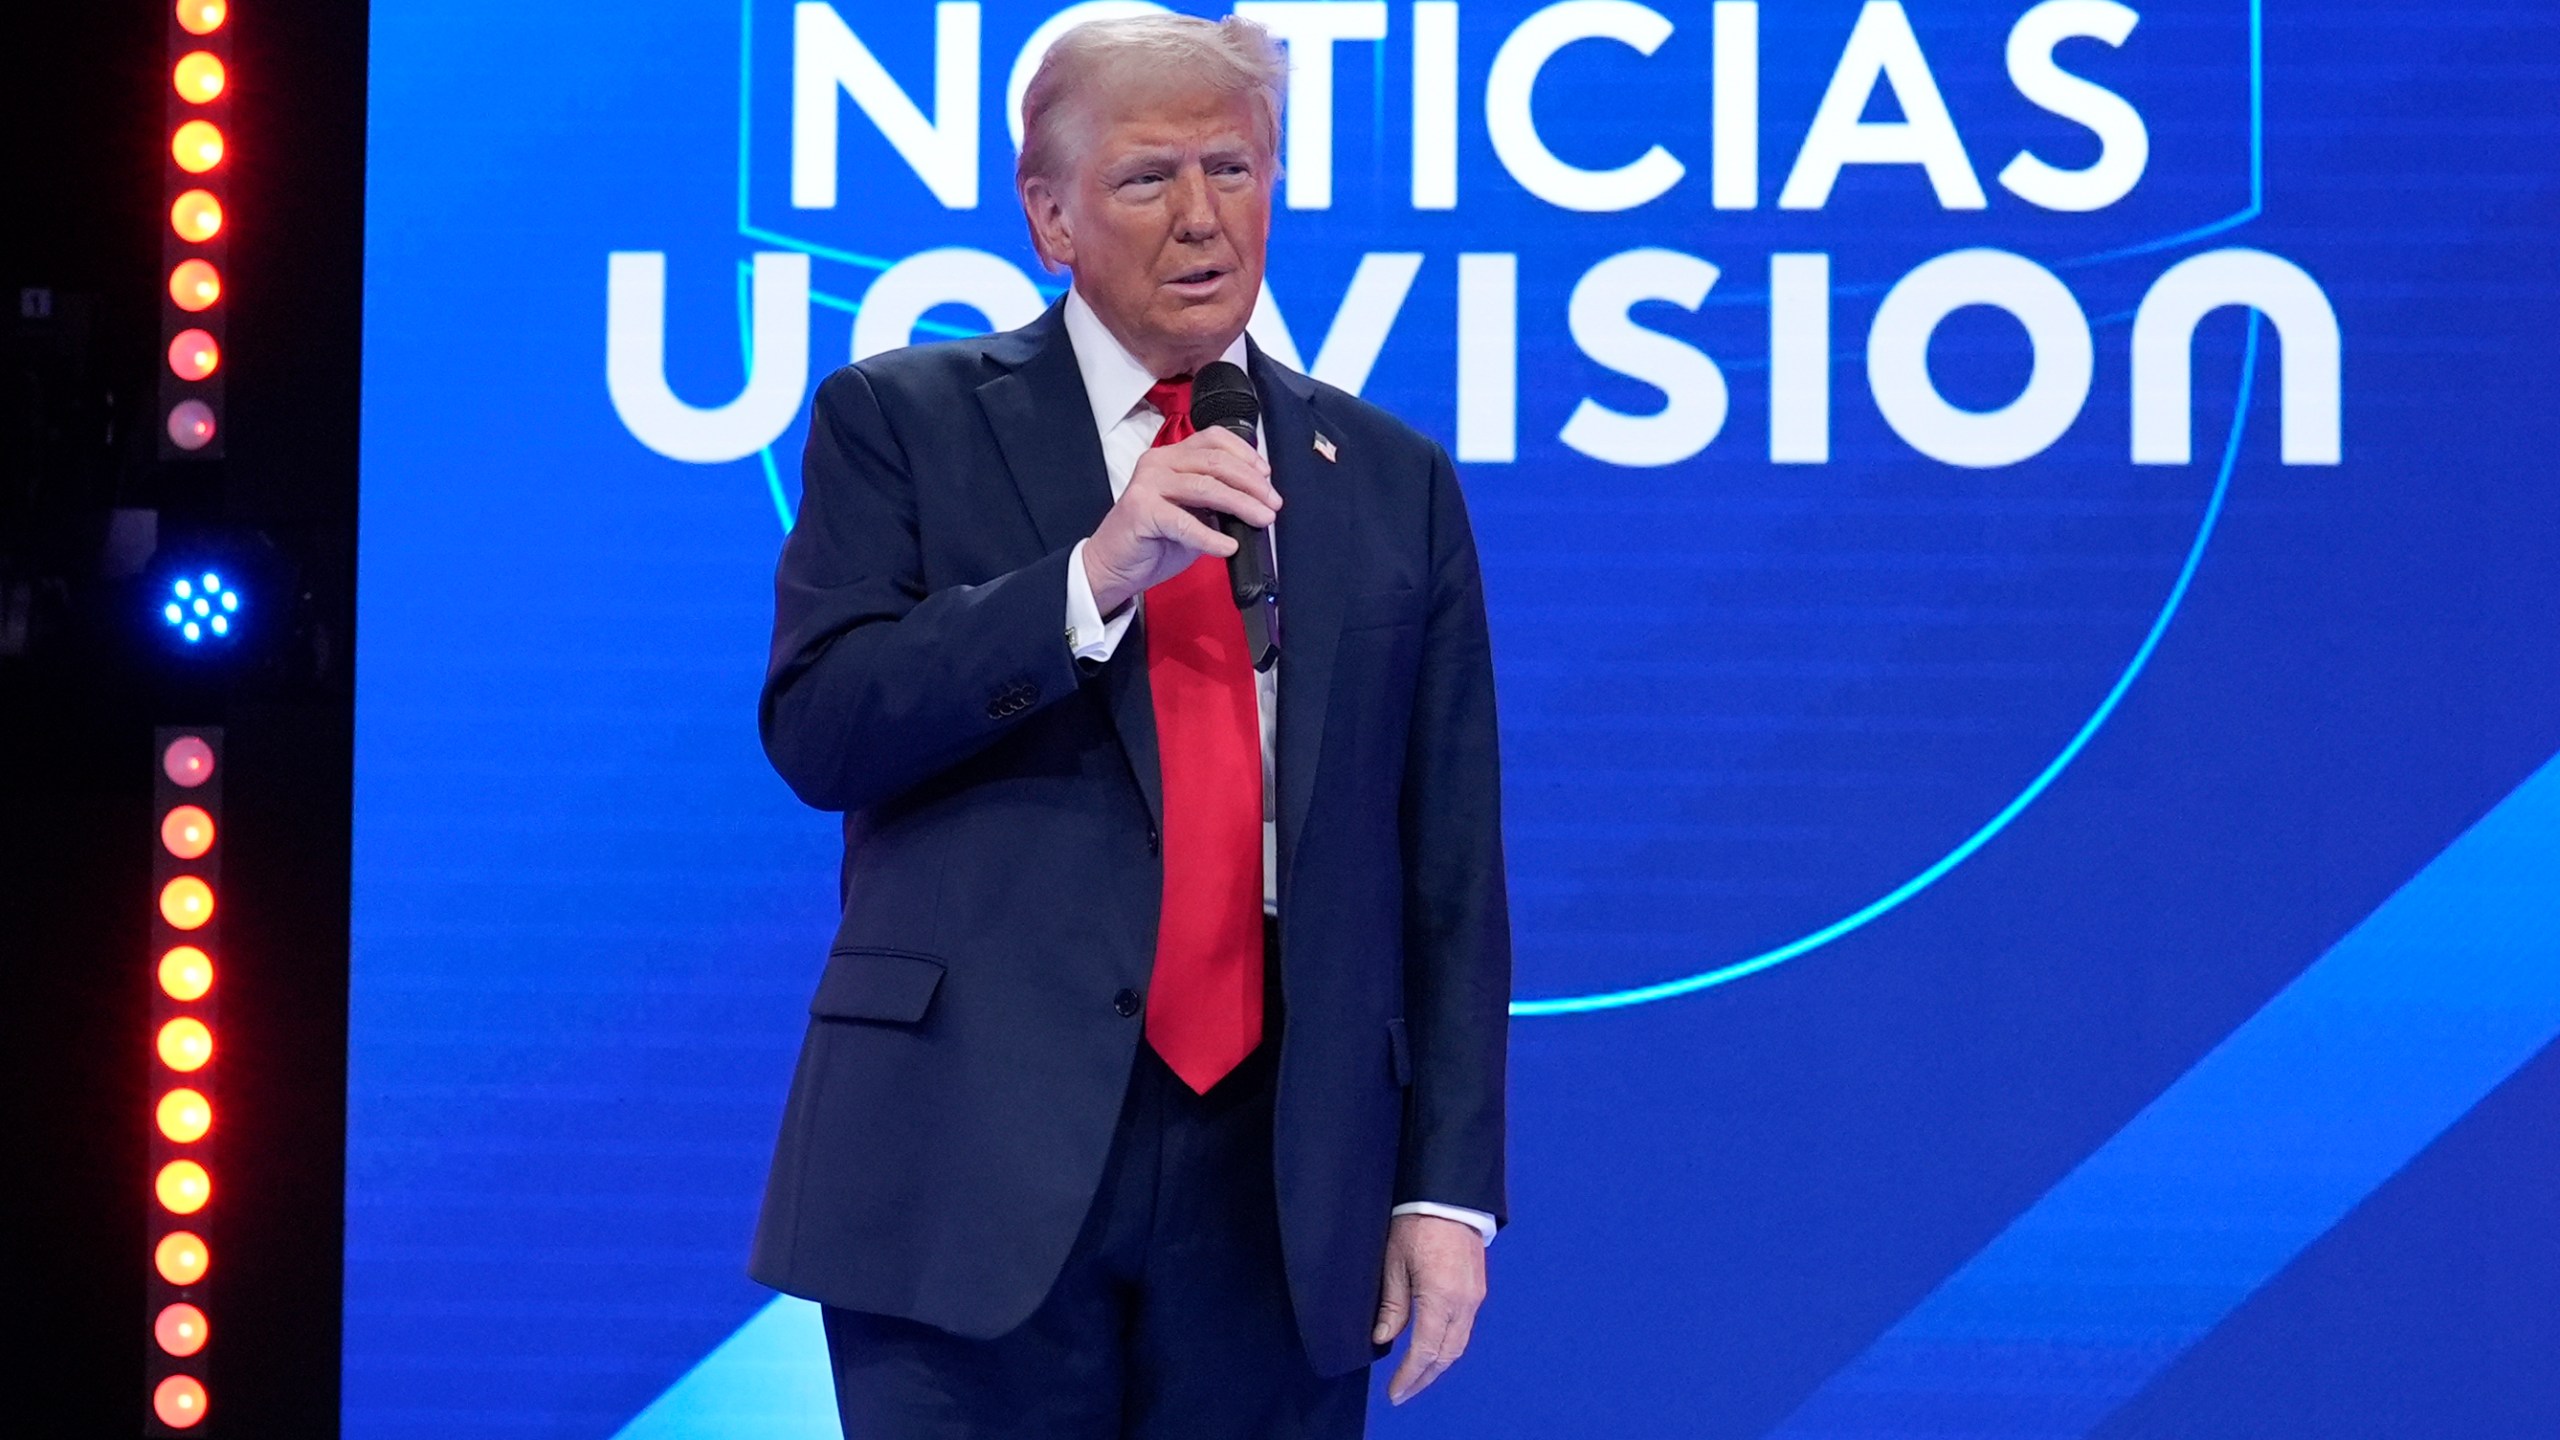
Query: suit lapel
[
  {"x": 1314, "y": 539},
  {"x": 1044, "y": 426},
  {"x": 1045, "y": 429}
]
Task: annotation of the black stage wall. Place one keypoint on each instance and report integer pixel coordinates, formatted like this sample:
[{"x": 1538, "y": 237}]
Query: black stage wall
[{"x": 82, "y": 207}]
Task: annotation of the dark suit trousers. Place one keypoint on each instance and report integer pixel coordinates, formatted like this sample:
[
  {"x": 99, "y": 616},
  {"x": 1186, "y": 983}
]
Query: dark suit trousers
[{"x": 1171, "y": 1319}]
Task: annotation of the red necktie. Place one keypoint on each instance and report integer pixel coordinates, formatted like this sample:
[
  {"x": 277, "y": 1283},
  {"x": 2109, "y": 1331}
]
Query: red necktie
[{"x": 1205, "y": 1014}]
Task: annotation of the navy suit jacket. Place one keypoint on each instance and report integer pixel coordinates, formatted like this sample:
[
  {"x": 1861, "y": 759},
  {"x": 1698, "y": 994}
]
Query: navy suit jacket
[{"x": 966, "y": 1058}]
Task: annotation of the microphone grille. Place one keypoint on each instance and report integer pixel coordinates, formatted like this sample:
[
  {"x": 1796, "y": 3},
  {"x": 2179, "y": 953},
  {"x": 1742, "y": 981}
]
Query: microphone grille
[{"x": 1221, "y": 393}]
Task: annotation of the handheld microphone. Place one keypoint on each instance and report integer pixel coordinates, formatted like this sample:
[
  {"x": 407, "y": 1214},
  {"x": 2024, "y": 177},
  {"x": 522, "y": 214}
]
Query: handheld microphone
[{"x": 1221, "y": 396}]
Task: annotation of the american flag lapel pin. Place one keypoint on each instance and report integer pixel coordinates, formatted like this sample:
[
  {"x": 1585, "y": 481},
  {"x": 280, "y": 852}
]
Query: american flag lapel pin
[{"x": 1324, "y": 447}]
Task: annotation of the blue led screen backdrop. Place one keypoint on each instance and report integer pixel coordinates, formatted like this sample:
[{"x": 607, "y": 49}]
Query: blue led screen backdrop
[{"x": 2021, "y": 547}]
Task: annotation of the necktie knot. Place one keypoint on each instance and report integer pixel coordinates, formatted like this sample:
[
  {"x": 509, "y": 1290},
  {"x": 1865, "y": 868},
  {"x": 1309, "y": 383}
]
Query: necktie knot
[{"x": 1172, "y": 400}]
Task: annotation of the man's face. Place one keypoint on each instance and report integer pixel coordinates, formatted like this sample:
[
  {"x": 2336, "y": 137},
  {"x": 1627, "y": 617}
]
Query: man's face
[{"x": 1164, "y": 221}]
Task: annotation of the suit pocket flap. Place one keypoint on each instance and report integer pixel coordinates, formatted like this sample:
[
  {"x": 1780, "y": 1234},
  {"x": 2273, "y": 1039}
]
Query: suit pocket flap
[
  {"x": 876, "y": 985},
  {"x": 1399, "y": 1055}
]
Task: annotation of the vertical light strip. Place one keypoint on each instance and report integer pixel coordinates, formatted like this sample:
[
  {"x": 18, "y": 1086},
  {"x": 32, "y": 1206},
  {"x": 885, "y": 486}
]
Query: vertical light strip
[
  {"x": 195, "y": 229},
  {"x": 183, "y": 1108}
]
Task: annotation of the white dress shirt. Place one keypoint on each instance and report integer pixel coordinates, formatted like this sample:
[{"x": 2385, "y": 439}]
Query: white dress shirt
[{"x": 1116, "y": 385}]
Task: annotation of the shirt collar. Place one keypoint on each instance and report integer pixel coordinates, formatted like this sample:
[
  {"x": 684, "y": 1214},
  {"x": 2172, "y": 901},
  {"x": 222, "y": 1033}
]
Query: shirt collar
[{"x": 1114, "y": 382}]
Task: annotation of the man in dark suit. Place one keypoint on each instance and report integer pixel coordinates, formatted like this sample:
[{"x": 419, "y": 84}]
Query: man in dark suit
[{"x": 1155, "y": 1079}]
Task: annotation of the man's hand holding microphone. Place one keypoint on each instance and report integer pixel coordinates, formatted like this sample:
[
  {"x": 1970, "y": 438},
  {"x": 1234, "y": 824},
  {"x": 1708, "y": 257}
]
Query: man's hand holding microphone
[{"x": 1155, "y": 529}]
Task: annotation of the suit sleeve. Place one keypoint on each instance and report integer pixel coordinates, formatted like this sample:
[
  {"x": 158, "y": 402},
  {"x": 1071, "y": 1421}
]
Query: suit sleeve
[
  {"x": 873, "y": 684},
  {"x": 1457, "y": 912}
]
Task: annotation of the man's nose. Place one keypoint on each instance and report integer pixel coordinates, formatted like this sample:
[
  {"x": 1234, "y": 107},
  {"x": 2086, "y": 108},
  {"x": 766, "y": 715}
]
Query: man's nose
[{"x": 1195, "y": 213}]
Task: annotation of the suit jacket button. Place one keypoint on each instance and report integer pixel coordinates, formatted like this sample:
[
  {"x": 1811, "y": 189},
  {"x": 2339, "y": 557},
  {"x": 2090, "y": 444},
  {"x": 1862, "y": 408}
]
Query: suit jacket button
[{"x": 1125, "y": 1003}]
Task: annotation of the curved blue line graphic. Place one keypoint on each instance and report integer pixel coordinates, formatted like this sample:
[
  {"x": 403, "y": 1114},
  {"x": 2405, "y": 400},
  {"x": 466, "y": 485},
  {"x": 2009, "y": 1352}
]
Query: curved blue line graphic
[{"x": 1894, "y": 899}]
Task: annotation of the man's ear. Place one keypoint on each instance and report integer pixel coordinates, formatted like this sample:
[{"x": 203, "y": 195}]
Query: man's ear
[{"x": 1051, "y": 235}]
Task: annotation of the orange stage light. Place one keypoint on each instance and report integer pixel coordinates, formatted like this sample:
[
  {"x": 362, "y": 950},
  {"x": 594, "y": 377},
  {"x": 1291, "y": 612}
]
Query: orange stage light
[
  {"x": 180, "y": 1329},
  {"x": 201, "y": 17},
  {"x": 196, "y": 216},
  {"x": 197, "y": 146},
  {"x": 187, "y": 831},
  {"x": 194, "y": 354},
  {"x": 186, "y": 973},
  {"x": 178, "y": 1401},
  {"x": 199, "y": 77},
  {"x": 188, "y": 761},
  {"x": 183, "y": 1187},
  {"x": 195, "y": 285},
  {"x": 185, "y": 1115},
  {"x": 186, "y": 902},
  {"x": 185, "y": 1044},
  {"x": 180, "y": 1257}
]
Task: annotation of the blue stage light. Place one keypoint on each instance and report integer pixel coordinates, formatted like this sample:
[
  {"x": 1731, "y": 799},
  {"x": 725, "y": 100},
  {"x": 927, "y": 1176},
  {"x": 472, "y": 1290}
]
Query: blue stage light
[{"x": 199, "y": 607}]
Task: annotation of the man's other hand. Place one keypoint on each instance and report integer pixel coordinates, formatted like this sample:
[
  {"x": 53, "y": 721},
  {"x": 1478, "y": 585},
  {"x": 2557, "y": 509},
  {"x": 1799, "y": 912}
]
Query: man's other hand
[
  {"x": 1435, "y": 1278},
  {"x": 1155, "y": 530}
]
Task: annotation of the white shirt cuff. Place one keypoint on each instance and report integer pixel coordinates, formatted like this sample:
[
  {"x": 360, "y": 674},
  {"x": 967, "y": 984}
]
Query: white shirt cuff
[
  {"x": 1482, "y": 1223},
  {"x": 1089, "y": 636}
]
